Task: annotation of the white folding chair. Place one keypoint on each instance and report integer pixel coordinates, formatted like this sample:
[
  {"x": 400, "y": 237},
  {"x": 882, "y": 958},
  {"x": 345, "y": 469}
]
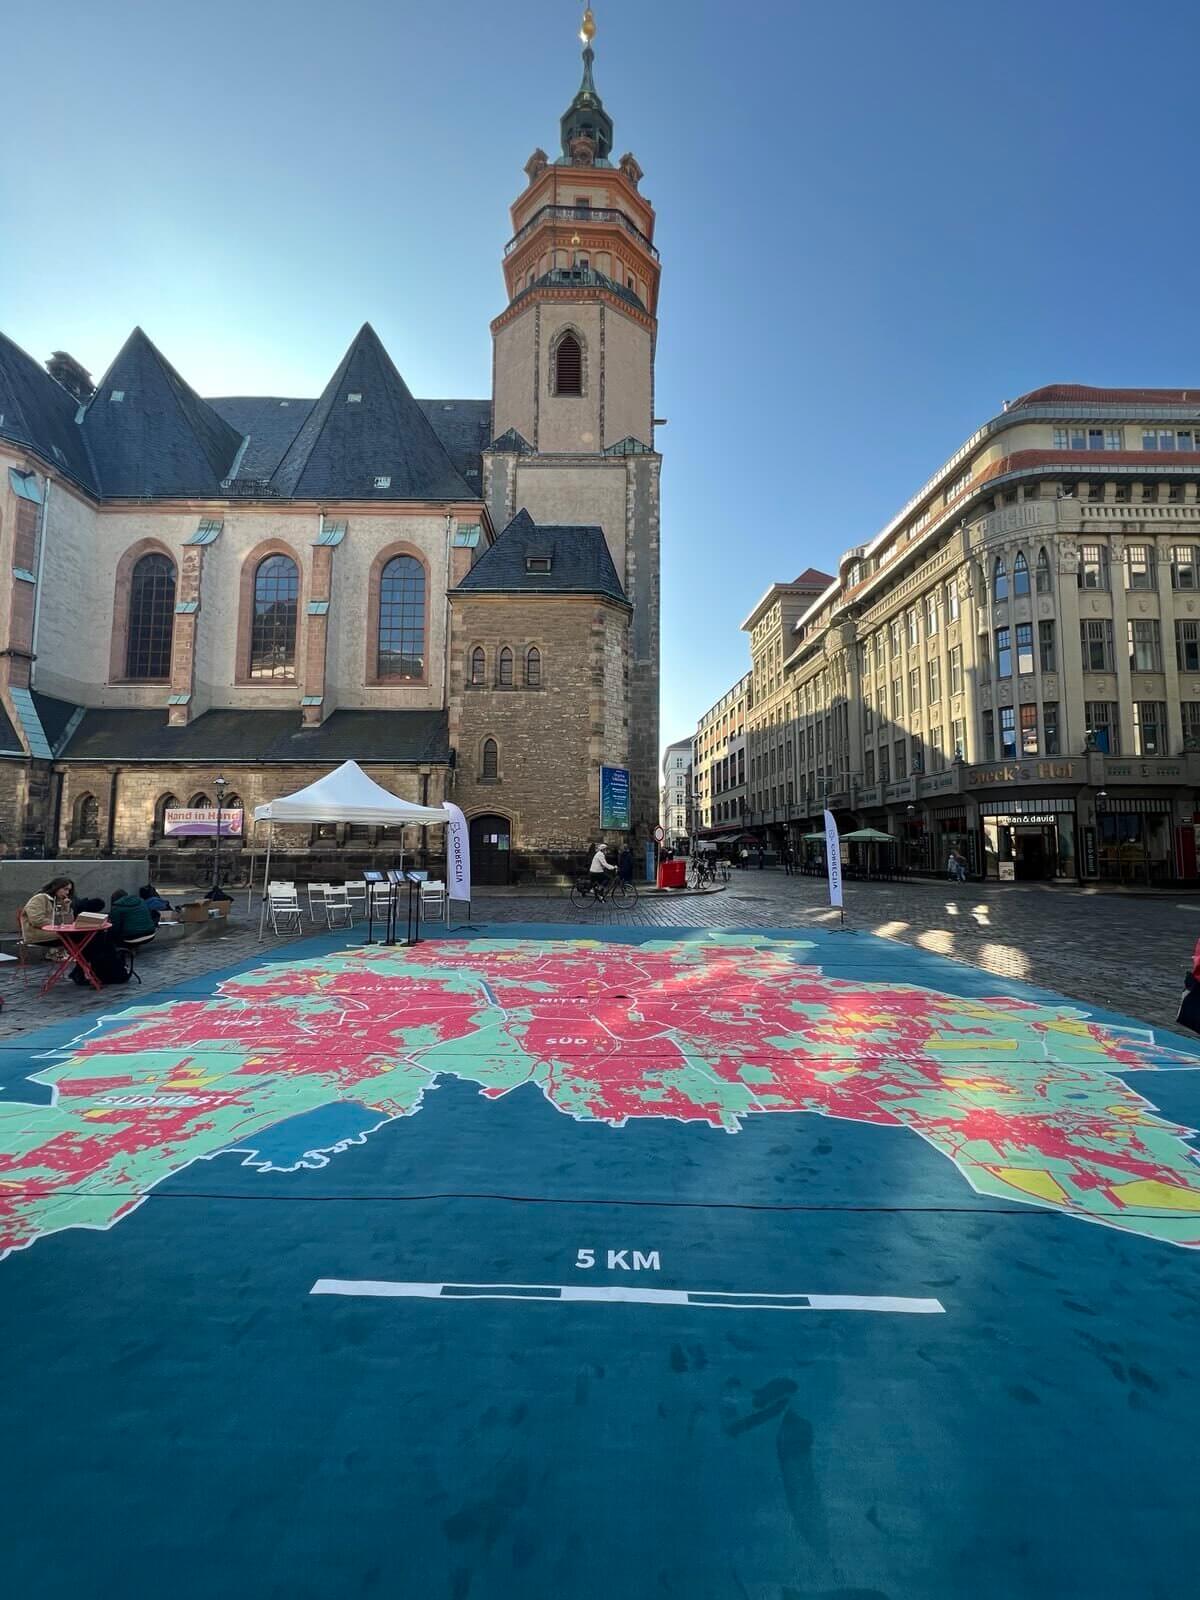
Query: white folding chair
[
  {"x": 316, "y": 897},
  {"x": 283, "y": 907},
  {"x": 380, "y": 895},
  {"x": 338, "y": 911},
  {"x": 356, "y": 888},
  {"x": 433, "y": 901}
]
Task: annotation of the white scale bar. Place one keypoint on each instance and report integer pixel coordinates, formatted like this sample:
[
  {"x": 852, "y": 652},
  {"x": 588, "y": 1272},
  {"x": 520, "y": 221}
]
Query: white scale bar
[{"x": 718, "y": 1299}]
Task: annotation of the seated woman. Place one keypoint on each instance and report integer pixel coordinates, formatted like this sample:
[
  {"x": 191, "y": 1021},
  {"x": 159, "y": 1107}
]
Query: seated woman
[
  {"x": 132, "y": 921},
  {"x": 41, "y": 910},
  {"x": 155, "y": 903}
]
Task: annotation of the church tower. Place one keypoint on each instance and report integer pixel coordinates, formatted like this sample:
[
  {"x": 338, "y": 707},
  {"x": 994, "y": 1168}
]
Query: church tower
[{"x": 573, "y": 381}]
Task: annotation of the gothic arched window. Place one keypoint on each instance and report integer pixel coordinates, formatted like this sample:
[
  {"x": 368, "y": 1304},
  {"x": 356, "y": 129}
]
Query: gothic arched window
[
  {"x": 568, "y": 366},
  {"x": 533, "y": 667},
  {"x": 1000, "y": 581},
  {"x": 489, "y": 769},
  {"x": 151, "y": 618},
  {"x": 273, "y": 628},
  {"x": 504, "y": 674},
  {"x": 401, "y": 646},
  {"x": 1020, "y": 574},
  {"x": 87, "y": 818},
  {"x": 1042, "y": 572},
  {"x": 478, "y": 665}
]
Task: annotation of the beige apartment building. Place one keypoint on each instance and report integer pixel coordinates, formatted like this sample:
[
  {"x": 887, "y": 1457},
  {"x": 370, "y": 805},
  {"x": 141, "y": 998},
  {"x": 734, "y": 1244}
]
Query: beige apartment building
[
  {"x": 719, "y": 764},
  {"x": 1012, "y": 667}
]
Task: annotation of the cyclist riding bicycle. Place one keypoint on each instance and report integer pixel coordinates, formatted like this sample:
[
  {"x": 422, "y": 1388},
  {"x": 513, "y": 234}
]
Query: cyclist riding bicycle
[{"x": 600, "y": 872}]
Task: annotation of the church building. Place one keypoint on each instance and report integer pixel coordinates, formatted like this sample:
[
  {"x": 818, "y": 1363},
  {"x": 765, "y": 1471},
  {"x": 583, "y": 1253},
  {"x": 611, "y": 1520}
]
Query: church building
[{"x": 462, "y": 595}]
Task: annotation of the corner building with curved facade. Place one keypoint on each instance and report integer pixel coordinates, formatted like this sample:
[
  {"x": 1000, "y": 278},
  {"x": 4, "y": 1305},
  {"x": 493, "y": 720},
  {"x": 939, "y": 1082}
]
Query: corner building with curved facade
[
  {"x": 462, "y": 595},
  {"x": 1012, "y": 667}
]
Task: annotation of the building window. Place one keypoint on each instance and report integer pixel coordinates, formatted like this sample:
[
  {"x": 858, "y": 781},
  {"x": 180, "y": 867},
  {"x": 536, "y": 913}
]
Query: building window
[
  {"x": 1183, "y": 566},
  {"x": 931, "y": 614},
  {"x": 478, "y": 665},
  {"x": 489, "y": 767},
  {"x": 504, "y": 673},
  {"x": 1050, "y": 726},
  {"x": 164, "y": 803},
  {"x": 533, "y": 667},
  {"x": 1096, "y": 644},
  {"x": 989, "y": 736},
  {"x": 983, "y": 656},
  {"x": 885, "y": 764},
  {"x": 897, "y": 700},
  {"x": 1139, "y": 566},
  {"x": 958, "y": 738},
  {"x": 1024, "y": 648},
  {"x": 914, "y": 689},
  {"x": 879, "y": 650},
  {"x": 151, "y": 618},
  {"x": 1042, "y": 572},
  {"x": 568, "y": 365},
  {"x": 1047, "y": 654},
  {"x": 956, "y": 679},
  {"x": 1003, "y": 653},
  {"x": 1189, "y": 711},
  {"x": 1145, "y": 651},
  {"x": 913, "y": 623},
  {"x": 1187, "y": 646},
  {"x": 1103, "y": 725},
  {"x": 882, "y": 704},
  {"x": 952, "y": 601},
  {"x": 1020, "y": 575},
  {"x": 1166, "y": 439},
  {"x": 1150, "y": 728},
  {"x": 1029, "y": 730},
  {"x": 868, "y": 716},
  {"x": 900, "y": 749},
  {"x": 896, "y": 638},
  {"x": 935, "y": 681},
  {"x": 869, "y": 766},
  {"x": 400, "y": 651},
  {"x": 1008, "y": 732},
  {"x": 273, "y": 627},
  {"x": 1093, "y": 566},
  {"x": 1000, "y": 579},
  {"x": 86, "y": 820},
  {"x": 983, "y": 585}
]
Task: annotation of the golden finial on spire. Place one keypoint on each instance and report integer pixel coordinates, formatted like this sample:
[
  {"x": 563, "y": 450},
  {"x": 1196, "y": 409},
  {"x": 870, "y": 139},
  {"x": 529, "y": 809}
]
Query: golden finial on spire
[{"x": 588, "y": 30}]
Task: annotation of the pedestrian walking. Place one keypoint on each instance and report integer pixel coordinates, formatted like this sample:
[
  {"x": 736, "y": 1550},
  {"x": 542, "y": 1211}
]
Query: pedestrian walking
[{"x": 625, "y": 864}]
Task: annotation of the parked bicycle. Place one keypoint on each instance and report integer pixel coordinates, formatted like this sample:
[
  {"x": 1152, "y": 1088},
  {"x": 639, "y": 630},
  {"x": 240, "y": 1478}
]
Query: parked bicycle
[{"x": 702, "y": 874}]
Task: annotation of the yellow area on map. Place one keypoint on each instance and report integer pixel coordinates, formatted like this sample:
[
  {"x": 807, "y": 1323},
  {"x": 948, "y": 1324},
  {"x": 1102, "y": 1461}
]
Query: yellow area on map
[
  {"x": 979, "y": 1085},
  {"x": 1037, "y": 1183},
  {"x": 95, "y": 1116},
  {"x": 940, "y": 1042},
  {"x": 1152, "y": 1192}
]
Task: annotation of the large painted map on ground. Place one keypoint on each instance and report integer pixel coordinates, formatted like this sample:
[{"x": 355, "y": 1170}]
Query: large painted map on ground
[{"x": 1025, "y": 1099}]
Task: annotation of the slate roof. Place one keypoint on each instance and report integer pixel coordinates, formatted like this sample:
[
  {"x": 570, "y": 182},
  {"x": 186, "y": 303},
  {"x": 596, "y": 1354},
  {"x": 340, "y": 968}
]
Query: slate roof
[
  {"x": 53, "y": 716},
  {"x": 580, "y": 562},
  {"x": 268, "y": 423},
  {"x": 10, "y": 739},
  {"x": 40, "y": 414},
  {"x": 161, "y": 439},
  {"x": 236, "y": 737},
  {"x": 465, "y": 429},
  {"x": 345, "y": 445}
]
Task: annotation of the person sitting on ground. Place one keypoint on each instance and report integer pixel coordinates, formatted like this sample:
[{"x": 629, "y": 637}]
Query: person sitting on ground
[
  {"x": 130, "y": 916},
  {"x": 600, "y": 871},
  {"x": 42, "y": 910},
  {"x": 155, "y": 903}
]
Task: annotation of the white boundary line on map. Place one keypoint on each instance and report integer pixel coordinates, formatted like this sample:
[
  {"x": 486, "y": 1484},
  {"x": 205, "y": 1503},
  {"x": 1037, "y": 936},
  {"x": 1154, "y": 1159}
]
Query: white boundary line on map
[{"x": 706, "y": 1299}]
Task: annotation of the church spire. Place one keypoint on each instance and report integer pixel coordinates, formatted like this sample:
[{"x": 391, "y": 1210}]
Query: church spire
[{"x": 587, "y": 130}]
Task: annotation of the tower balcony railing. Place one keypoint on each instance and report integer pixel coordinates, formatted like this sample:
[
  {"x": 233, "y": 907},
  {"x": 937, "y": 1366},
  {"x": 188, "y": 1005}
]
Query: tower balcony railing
[{"x": 579, "y": 214}]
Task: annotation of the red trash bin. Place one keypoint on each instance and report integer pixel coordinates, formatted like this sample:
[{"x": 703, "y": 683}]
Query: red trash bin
[{"x": 672, "y": 874}]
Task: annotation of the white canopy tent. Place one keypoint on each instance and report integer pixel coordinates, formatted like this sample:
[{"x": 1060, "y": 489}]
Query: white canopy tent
[{"x": 345, "y": 795}]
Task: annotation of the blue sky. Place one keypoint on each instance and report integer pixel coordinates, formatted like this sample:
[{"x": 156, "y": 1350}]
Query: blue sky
[{"x": 877, "y": 223}]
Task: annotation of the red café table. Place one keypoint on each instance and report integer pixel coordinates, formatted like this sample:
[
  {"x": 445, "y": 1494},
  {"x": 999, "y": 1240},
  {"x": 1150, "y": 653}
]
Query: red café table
[{"x": 75, "y": 941}]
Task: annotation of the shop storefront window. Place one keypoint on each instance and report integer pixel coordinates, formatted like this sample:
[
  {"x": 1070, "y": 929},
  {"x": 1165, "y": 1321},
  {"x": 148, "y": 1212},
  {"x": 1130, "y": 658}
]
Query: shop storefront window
[
  {"x": 1135, "y": 845},
  {"x": 1030, "y": 840}
]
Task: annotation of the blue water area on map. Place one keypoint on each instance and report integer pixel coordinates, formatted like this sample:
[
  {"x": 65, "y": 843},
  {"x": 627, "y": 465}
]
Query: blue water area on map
[
  {"x": 311, "y": 1139},
  {"x": 190, "y": 1421}
]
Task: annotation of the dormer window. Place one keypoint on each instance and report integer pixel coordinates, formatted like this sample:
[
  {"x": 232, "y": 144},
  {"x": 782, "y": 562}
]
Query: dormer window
[
  {"x": 354, "y": 398},
  {"x": 383, "y": 483},
  {"x": 116, "y": 395},
  {"x": 537, "y": 563}
]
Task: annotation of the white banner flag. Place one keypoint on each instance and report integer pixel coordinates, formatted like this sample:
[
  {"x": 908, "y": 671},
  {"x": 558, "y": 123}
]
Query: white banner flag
[
  {"x": 833, "y": 859},
  {"x": 458, "y": 854}
]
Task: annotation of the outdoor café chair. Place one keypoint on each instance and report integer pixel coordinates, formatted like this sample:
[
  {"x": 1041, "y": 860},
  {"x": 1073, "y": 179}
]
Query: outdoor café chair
[
  {"x": 356, "y": 888},
  {"x": 317, "y": 892}
]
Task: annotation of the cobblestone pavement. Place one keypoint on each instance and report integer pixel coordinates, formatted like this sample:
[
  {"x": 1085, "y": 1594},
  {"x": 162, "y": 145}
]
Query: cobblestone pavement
[{"x": 1122, "y": 952}]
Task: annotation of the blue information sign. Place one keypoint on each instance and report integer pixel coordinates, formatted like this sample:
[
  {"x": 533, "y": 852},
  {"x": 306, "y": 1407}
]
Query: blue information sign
[{"x": 614, "y": 797}]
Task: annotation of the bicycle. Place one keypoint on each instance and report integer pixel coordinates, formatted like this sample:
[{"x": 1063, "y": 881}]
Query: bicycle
[
  {"x": 586, "y": 895},
  {"x": 702, "y": 874}
]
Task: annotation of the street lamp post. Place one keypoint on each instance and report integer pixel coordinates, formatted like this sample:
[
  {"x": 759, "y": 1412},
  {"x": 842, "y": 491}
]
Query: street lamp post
[{"x": 215, "y": 891}]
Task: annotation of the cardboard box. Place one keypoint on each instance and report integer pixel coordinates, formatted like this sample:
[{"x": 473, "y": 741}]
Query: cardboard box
[{"x": 203, "y": 910}]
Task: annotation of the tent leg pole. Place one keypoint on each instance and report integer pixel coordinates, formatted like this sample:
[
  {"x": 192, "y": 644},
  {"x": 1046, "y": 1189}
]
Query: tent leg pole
[{"x": 262, "y": 908}]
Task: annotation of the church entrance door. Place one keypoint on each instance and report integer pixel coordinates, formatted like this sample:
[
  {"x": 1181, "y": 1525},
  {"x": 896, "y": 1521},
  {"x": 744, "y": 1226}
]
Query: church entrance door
[{"x": 491, "y": 849}]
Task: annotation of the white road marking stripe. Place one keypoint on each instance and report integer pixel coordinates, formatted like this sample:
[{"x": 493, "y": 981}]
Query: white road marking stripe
[{"x": 704, "y": 1298}]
